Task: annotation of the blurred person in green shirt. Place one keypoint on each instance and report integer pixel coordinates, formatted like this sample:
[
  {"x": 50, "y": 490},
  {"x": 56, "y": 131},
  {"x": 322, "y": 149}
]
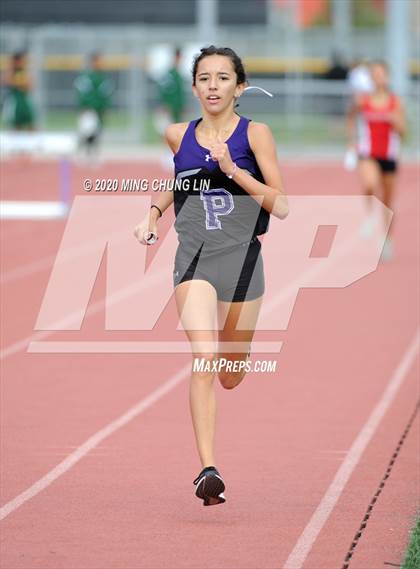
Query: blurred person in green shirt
[
  {"x": 171, "y": 95},
  {"x": 18, "y": 111},
  {"x": 94, "y": 92}
]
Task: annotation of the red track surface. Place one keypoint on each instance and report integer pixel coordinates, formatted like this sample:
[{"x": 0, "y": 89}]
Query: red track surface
[{"x": 129, "y": 504}]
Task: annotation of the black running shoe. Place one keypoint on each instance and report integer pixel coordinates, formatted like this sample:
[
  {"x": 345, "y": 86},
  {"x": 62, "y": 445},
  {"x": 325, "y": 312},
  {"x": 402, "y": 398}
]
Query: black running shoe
[{"x": 210, "y": 486}]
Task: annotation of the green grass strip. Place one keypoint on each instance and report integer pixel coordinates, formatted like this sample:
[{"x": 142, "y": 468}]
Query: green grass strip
[{"x": 412, "y": 557}]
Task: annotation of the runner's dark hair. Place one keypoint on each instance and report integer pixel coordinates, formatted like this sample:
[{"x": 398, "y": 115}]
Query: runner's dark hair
[
  {"x": 380, "y": 63},
  {"x": 227, "y": 52}
]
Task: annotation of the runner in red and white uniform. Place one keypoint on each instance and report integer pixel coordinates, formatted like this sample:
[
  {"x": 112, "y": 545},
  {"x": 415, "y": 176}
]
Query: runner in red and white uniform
[
  {"x": 378, "y": 138},
  {"x": 380, "y": 126}
]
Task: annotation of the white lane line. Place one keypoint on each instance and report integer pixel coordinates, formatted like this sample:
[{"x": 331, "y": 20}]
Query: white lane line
[
  {"x": 128, "y": 347},
  {"x": 309, "y": 535},
  {"x": 93, "y": 441},
  {"x": 28, "y": 269},
  {"x": 95, "y": 308},
  {"x": 73, "y": 253},
  {"x": 40, "y": 210}
]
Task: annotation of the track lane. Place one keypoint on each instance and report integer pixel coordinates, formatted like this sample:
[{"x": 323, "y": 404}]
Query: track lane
[{"x": 264, "y": 418}]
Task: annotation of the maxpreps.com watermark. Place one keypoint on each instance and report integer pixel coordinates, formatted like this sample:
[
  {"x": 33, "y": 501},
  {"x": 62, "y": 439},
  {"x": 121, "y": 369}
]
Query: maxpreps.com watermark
[{"x": 204, "y": 365}]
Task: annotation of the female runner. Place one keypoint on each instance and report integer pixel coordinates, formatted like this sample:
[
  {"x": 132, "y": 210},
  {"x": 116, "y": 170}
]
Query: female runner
[
  {"x": 231, "y": 183},
  {"x": 381, "y": 125}
]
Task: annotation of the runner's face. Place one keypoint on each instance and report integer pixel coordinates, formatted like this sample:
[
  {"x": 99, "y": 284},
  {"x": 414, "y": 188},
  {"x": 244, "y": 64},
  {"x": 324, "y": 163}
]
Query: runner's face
[
  {"x": 379, "y": 75},
  {"x": 20, "y": 63},
  {"x": 215, "y": 83}
]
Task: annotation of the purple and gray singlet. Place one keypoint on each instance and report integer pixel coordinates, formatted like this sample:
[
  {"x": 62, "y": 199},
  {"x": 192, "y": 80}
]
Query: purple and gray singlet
[{"x": 212, "y": 211}]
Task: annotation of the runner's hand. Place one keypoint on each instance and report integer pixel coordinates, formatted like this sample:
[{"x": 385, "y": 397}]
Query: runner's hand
[
  {"x": 219, "y": 152},
  {"x": 147, "y": 225}
]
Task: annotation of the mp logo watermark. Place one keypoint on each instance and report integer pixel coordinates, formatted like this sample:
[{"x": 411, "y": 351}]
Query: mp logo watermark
[{"x": 319, "y": 245}]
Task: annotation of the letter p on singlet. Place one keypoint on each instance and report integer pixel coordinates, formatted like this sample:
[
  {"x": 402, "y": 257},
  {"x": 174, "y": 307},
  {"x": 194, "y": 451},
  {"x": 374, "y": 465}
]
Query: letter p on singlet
[{"x": 217, "y": 202}]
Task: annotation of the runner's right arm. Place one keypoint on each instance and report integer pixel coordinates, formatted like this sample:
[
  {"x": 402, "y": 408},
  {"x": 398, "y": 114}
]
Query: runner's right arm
[{"x": 173, "y": 137}]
